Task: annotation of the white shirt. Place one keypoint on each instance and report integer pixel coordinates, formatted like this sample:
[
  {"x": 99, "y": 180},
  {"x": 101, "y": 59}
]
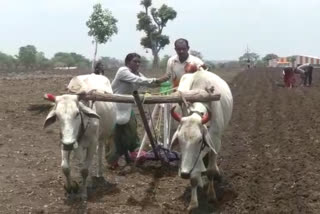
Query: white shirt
[
  {"x": 303, "y": 68},
  {"x": 125, "y": 82},
  {"x": 175, "y": 69}
]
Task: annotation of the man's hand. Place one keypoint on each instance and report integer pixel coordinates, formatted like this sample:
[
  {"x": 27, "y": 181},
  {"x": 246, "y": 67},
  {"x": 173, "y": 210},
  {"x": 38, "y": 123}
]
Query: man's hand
[{"x": 162, "y": 79}]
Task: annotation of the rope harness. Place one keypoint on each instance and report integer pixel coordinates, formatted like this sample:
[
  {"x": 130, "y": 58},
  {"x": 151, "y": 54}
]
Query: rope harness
[
  {"x": 81, "y": 132},
  {"x": 203, "y": 143}
]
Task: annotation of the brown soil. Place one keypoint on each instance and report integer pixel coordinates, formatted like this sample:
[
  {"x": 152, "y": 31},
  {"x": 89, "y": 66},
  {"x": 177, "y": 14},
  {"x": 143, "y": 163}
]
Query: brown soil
[{"x": 269, "y": 156}]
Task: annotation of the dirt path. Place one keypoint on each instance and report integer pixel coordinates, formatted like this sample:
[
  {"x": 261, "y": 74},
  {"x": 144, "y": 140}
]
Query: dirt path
[{"x": 269, "y": 158}]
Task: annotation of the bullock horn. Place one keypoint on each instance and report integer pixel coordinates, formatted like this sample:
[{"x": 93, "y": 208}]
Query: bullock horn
[
  {"x": 50, "y": 97},
  {"x": 206, "y": 118},
  {"x": 175, "y": 115}
]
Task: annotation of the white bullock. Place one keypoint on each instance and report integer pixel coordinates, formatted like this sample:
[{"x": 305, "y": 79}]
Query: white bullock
[
  {"x": 195, "y": 138},
  {"x": 84, "y": 126}
]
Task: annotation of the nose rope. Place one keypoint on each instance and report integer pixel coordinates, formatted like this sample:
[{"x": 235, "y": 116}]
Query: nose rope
[
  {"x": 81, "y": 132},
  {"x": 203, "y": 145}
]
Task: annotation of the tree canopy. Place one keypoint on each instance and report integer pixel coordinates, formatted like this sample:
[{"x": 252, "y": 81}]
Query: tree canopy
[
  {"x": 102, "y": 26},
  {"x": 268, "y": 57},
  {"x": 251, "y": 56},
  {"x": 27, "y": 55},
  {"x": 152, "y": 21}
]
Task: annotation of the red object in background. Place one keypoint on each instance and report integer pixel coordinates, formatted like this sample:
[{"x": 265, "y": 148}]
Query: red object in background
[
  {"x": 289, "y": 78},
  {"x": 190, "y": 68}
]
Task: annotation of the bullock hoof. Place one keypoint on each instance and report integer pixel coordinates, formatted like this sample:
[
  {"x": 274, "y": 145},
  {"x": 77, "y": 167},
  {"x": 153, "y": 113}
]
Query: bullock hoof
[
  {"x": 75, "y": 187},
  {"x": 192, "y": 206},
  {"x": 212, "y": 198}
]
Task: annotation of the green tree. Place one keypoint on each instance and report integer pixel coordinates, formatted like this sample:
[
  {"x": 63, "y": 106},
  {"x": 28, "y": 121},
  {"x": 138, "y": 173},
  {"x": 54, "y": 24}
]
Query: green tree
[
  {"x": 164, "y": 61},
  {"x": 102, "y": 26},
  {"x": 251, "y": 56},
  {"x": 110, "y": 63},
  {"x": 63, "y": 59},
  {"x": 80, "y": 61},
  {"x": 41, "y": 61},
  {"x": 6, "y": 61},
  {"x": 27, "y": 56},
  {"x": 269, "y": 57},
  {"x": 152, "y": 21},
  {"x": 292, "y": 60}
]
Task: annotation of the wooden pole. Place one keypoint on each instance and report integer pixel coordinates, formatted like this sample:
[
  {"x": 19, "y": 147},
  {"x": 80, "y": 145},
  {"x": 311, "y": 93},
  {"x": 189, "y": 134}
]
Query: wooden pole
[
  {"x": 153, "y": 117},
  {"x": 145, "y": 123},
  {"x": 191, "y": 96}
]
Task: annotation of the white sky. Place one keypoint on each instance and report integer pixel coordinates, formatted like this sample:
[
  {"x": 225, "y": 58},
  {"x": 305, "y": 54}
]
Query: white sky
[{"x": 219, "y": 29}]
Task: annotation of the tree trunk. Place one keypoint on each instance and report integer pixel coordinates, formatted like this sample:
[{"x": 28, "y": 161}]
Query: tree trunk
[
  {"x": 155, "y": 63},
  {"x": 94, "y": 55}
]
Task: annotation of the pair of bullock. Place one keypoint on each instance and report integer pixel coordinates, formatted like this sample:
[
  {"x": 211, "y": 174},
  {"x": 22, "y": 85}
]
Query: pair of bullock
[{"x": 86, "y": 126}]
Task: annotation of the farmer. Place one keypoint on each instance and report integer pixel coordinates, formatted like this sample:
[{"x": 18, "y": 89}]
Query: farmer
[
  {"x": 305, "y": 72},
  {"x": 127, "y": 80},
  {"x": 98, "y": 68},
  {"x": 288, "y": 77},
  {"x": 181, "y": 63},
  {"x": 248, "y": 64}
]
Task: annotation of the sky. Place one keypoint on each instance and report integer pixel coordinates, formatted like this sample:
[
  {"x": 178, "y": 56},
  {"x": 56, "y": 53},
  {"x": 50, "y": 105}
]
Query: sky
[{"x": 219, "y": 29}]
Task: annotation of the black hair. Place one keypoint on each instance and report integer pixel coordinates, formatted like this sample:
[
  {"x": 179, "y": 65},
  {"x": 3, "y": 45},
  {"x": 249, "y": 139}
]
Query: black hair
[
  {"x": 181, "y": 40},
  {"x": 130, "y": 56},
  {"x": 98, "y": 69}
]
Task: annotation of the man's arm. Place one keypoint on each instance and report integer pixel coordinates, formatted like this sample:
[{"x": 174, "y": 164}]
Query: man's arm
[
  {"x": 167, "y": 75},
  {"x": 127, "y": 76}
]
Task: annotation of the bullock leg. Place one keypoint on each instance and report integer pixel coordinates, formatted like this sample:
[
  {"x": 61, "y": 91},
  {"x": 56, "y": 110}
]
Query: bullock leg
[
  {"x": 212, "y": 171},
  {"x": 85, "y": 170},
  {"x": 100, "y": 151},
  {"x": 194, "y": 198},
  {"x": 65, "y": 165}
]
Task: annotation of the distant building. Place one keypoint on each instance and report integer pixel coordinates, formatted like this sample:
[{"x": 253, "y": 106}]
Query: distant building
[{"x": 299, "y": 59}]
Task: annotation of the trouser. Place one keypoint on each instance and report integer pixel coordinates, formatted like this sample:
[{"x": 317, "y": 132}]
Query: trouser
[
  {"x": 308, "y": 77},
  {"x": 126, "y": 139}
]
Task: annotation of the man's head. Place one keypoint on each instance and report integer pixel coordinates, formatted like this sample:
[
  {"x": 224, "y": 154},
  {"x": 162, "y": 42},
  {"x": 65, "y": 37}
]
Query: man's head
[
  {"x": 133, "y": 61},
  {"x": 98, "y": 68},
  {"x": 182, "y": 47}
]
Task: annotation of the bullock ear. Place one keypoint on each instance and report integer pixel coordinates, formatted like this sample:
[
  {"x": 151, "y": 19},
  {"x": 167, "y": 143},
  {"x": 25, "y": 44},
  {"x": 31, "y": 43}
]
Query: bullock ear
[
  {"x": 51, "y": 118},
  {"x": 208, "y": 139},
  {"x": 88, "y": 111}
]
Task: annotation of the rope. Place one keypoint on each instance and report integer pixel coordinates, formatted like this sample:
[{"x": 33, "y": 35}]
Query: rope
[
  {"x": 163, "y": 93},
  {"x": 147, "y": 94}
]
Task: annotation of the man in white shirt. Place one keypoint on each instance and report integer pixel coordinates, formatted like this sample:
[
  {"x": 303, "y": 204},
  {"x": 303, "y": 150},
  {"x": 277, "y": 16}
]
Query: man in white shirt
[
  {"x": 177, "y": 63},
  {"x": 127, "y": 79},
  {"x": 305, "y": 71}
]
